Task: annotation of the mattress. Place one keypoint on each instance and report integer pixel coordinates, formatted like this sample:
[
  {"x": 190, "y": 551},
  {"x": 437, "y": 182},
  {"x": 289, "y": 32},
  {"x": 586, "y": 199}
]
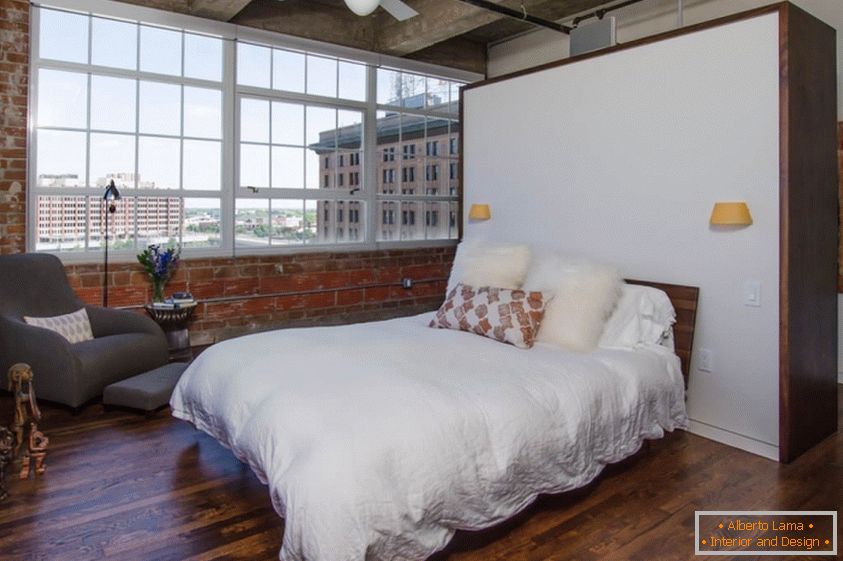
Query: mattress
[{"x": 379, "y": 440}]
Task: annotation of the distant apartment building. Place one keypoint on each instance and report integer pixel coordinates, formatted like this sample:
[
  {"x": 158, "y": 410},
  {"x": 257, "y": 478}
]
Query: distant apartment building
[
  {"x": 64, "y": 221},
  {"x": 416, "y": 156}
]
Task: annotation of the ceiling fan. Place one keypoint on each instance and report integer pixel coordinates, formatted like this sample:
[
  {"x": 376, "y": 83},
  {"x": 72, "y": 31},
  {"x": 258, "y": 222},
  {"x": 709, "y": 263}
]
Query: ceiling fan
[{"x": 396, "y": 8}]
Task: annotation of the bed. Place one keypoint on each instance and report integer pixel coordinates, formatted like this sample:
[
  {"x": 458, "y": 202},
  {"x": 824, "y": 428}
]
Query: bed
[{"x": 378, "y": 441}]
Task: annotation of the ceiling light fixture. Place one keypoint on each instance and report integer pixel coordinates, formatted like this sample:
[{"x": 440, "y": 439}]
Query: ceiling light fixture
[
  {"x": 396, "y": 8},
  {"x": 362, "y": 7}
]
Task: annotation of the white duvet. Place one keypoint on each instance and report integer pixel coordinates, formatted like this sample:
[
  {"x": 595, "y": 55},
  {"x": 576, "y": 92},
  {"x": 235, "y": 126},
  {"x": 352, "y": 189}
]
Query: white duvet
[{"x": 379, "y": 440}]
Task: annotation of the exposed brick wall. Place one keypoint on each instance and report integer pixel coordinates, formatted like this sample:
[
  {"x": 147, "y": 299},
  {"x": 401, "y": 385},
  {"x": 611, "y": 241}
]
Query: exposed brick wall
[
  {"x": 14, "y": 78},
  {"x": 252, "y": 282}
]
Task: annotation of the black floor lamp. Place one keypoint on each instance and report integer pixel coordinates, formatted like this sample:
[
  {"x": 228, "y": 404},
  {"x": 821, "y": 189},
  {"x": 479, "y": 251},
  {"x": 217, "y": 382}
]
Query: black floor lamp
[{"x": 111, "y": 195}]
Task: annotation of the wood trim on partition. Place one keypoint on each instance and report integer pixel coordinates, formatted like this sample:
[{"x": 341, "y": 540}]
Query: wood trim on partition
[
  {"x": 463, "y": 202},
  {"x": 808, "y": 198},
  {"x": 769, "y": 9}
]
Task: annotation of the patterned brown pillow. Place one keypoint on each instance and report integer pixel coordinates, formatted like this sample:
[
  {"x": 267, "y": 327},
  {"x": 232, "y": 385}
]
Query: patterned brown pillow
[{"x": 508, "y": 316}]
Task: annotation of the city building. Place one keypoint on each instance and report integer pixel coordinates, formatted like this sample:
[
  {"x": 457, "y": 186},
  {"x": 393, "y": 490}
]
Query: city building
[
  {"x": 416, "y": 156},
  {"x": 72, "y": 223}
]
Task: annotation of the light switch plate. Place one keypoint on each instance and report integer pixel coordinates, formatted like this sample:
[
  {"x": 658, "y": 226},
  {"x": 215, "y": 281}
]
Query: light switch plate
[
  {"x": 752, "y": 294},
  {"x": 706, "y": 360}
]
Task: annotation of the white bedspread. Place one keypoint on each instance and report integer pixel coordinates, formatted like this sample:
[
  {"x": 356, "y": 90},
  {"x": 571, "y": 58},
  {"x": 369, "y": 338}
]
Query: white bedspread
[{"x": 379, "y": 440}]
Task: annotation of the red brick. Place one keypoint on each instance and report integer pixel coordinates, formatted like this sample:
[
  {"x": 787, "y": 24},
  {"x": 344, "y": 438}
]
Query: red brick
[
  {"x": 258, "y": 306},
  {"x": 378, "y": 294},
  {"x": 120, "y": 278},
  {"x": 349, "y": 297},
  {"x": 200, "y": 274},
  {"x": 239, "y": 287}
]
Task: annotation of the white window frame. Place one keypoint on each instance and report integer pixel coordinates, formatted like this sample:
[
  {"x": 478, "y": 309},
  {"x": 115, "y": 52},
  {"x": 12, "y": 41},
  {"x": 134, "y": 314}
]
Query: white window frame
[{"x": 231, "y": 33}]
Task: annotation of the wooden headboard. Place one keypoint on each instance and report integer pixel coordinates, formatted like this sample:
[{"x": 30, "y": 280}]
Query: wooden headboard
[{"x": 684, "y": 299}]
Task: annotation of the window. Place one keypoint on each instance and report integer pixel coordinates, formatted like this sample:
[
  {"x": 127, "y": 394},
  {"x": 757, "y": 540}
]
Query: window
[
  {"x": 102, "y": 118},
  {"x": 418, "y": 113},
  {"x": 217, "y": 144},
  {"x": 408, "y": 174}
]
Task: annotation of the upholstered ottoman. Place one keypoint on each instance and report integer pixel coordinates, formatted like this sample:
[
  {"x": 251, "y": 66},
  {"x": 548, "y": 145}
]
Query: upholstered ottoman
[{"x": 148, "y": 391}]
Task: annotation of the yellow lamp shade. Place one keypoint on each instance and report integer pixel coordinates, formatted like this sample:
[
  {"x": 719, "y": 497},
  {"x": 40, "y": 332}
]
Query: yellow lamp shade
[
  {"x": 730, "y": 214},
  {"x": 480, "y": 212}
]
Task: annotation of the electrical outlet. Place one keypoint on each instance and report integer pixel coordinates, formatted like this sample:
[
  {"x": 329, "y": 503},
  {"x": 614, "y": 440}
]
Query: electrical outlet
[
  {"x": 279, "y": 268},
  {"x": 407, "y": 283},
  {"x": 706, "y": 360}
]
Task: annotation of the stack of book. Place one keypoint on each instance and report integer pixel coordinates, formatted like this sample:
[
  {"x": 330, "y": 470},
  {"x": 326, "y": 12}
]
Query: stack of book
[{"x": 176, "y": 301}]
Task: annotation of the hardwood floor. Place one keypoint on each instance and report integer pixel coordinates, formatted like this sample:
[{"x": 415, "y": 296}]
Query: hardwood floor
[{"x": 119, "y": 486}]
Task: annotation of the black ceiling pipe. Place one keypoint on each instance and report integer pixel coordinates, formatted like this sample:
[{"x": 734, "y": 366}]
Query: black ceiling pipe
[{"x": 519, "y": 15}]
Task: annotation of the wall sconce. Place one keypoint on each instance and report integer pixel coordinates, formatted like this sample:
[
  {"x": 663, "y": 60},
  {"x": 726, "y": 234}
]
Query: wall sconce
[
  {"x": 730, "y": 214},
  {"x": 479, "y": 212}
]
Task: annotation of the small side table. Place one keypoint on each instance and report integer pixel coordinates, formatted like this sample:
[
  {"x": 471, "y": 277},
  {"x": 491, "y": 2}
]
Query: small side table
[{"x": 174, "y": 323}]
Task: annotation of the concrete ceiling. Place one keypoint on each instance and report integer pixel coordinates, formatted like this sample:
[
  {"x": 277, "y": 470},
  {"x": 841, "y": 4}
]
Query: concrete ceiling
[{"x": 447, "y": 32}]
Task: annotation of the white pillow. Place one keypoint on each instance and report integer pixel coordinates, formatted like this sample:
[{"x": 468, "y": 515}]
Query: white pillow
[
  {"x": 75, "y": 326},
  {"x": 481, "y": 264},
  {"x": 584, "y": 295},
  {"x": 643, "y": 315}
]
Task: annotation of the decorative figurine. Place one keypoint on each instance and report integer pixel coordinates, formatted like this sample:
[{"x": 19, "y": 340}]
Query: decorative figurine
[
  {"x": 7, "y": 444},
  {"x": 36, "y": 454},
  {"x": 20, "y": 384},
  {"x": 26, "y": 410}
]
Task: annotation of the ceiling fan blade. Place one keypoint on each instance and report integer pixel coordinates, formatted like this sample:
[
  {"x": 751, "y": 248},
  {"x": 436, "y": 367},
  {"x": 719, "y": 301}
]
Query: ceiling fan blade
[{"x": 398, "y": 9}]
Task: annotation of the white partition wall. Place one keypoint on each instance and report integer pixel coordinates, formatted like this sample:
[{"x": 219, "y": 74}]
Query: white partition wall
[{"x": 620, "y": 158}]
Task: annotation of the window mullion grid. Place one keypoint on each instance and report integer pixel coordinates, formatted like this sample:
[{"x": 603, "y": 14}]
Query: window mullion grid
[
  {"x": 418, "y": 111},
  {"x": 113, "y": 72},
  {"x": 370, "y": 148},
  {"x": 230, "y": 139},
  {"x": 88, "y": 222},
  {"x": 137, "y": 129},
  {"x": 425, "y": 160},
  {"x": 309, "y": 99},
  {"x": 32, "y": 197},
  {"x": 182, "y": 206},
  {"x": 269, "y": 153}
]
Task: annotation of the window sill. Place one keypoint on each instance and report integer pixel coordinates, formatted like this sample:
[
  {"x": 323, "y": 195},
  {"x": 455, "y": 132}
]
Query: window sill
[{"x": 123, "y": 257}]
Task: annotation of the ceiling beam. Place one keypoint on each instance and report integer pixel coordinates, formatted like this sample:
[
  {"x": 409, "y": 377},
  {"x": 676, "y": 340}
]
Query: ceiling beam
[
  {"x": 222, "y": 10},
  {"x": 439, "y": 20},
  {"x": 458, "y": 52}
]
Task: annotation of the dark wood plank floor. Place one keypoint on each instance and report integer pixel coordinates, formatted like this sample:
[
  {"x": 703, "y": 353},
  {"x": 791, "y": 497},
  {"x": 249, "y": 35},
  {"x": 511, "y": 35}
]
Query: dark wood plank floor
[{"x": 119, "y": 486}]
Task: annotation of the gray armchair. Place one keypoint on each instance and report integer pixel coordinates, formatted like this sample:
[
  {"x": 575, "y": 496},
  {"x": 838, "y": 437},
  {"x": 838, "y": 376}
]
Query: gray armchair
[{"x": 125, "y": 343}]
